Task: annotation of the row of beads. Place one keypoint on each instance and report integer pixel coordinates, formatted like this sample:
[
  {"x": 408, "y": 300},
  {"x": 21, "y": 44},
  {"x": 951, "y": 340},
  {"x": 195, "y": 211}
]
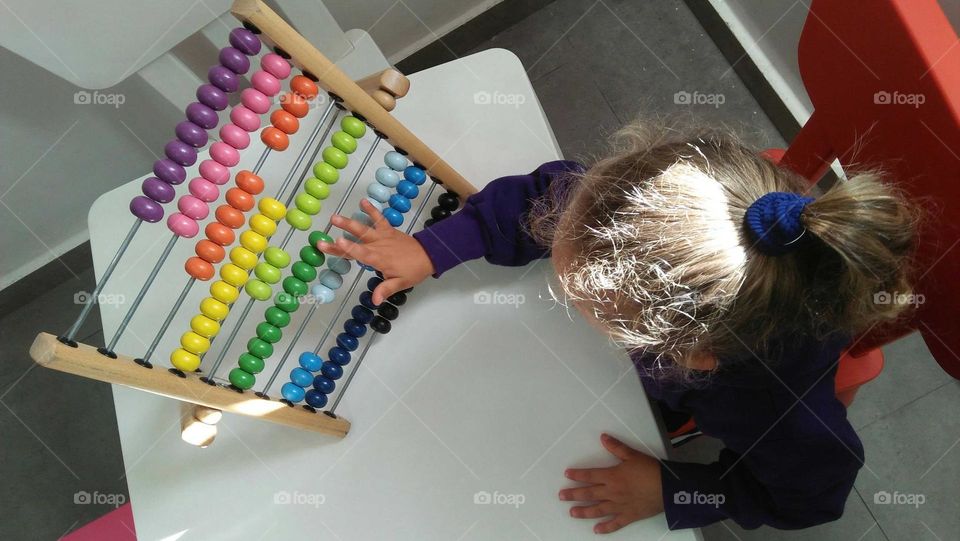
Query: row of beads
[
  {"x": 387, "y": 177},
  {"x": 225, "y": 154},
  {"x": 361, "y": 315},
  {"x": 192, "y": 133},
  {"x": 240, "y": 199},
  {"x": 236, "y": 274}
]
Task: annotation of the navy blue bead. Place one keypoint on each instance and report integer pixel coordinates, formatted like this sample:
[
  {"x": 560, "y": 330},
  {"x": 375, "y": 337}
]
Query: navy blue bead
[
  {"x": 414, "y": 174},
  {"x": 393, "y": 216},
  {"x": 354, "y": 328},
  {"x": 316, "y": 399},
  {"x": 400, "y": 203},
  {"x": 332, "y": 370},
  {"x": 373, "y": 282},
  {"x": 339, "y": 355},
  {"x": 324, "y": 384},
  {"x": 362, "y": 314},
  {"x": 408, "y": 189},
  {"x": 347, "y": 341},
  {"x": 366, "y": 299}
]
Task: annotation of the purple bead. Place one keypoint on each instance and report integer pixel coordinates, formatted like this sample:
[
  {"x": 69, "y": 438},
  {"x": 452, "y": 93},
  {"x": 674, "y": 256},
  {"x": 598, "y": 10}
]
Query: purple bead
[
  {"x": 191, "y": 134},
  {"x": 202, "y": 116},
  {"x": 169, "y": 171},
  {"x": 246, "y": 41},
  {"x": 234, "y": 60},
  {"x": 146, "y": 209},
  {"x": 158, "y": 190},
  {"x": 181, "y": 152},
  {"x": 212, "y": 97},
  {"x": 223, "y": 78}
]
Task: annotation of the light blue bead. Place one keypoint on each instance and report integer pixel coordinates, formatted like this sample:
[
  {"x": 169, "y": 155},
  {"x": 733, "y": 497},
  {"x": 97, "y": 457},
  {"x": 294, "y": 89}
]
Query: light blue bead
[
  {"x": 338, "y": 265},
  {"x": 362, "y": 217},
  {"x": 396, "y": 161},
  {"x": 301, "y": 377},
  {"x": 292, "y": 392},
  {"x": 378, "y": 191},
  {"x": 399, "y": 203},
  {"x": 322, "y": 293},
  {"x": 393, "y": 217},
  {"x": 331, "y": 279},
  {"x": 408, "y": 189},
  {"x": 388, "y": 177},
  {"x": 310, "y": 361},
  {"x": 415, "y": 175},
  {"x": 376, "y": 204}
]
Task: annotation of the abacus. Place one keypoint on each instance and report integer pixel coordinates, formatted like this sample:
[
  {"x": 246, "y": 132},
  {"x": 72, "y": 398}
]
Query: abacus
[{"x": 242, "y": 251}]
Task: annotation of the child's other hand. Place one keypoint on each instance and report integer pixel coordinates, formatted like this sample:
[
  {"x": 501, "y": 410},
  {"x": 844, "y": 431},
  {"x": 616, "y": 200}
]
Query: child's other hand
[
  {"x": 397, "y": 255},
  {"x": 621, "y": 494}
]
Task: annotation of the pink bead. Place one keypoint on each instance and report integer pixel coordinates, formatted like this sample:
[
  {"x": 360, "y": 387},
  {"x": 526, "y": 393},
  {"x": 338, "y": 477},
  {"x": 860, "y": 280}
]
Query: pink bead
[
  {"x": 214, "y": 172},
  {"x": 204, "y": 190},
  {"x": 235, "y": 136},
  {"x": 183, "y": 226},
  {"x": 245, "y": 118},
  {"x": 193, "y": 207},
  {"x": 256, "y": 101},
  {"x": 275, "y": 65},
  {"x": 225, "y": 154},
  {"x": 266, "y": 83}
]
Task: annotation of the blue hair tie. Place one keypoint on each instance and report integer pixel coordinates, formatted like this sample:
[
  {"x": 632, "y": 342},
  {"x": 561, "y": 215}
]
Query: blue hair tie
[{"x": 774, "y": 222}]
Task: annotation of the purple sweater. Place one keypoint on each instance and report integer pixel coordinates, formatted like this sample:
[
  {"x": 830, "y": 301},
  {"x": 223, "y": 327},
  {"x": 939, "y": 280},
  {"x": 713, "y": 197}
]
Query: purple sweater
[{"x": 791, "y": 456}]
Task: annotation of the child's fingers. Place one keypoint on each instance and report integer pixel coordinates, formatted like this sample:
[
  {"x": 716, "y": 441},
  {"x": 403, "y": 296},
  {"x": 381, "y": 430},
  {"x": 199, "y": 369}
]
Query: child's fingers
[
  {"x": 616, "y": 447},
  {"x": 358, "y": 252},
  {"x": 593, "y": 493},
  {"x": 379, "y": 222},
  {"x": 387, "y": 288},
  {"x": 357, "y": 229},
  {"x": 332, "y": 249},
  {"x": 587, "y": 475},
  {"x": 612, "y": 525},
  {"x": 602, "y": 509}
]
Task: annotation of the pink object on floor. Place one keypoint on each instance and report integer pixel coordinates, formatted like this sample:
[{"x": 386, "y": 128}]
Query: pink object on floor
[{"x": 117, "y": 525}]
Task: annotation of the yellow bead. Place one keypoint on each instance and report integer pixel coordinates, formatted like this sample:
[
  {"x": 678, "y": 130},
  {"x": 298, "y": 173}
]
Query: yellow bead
[
  {"x": 253, "y": 241},
  {"x": 233, "y": 275},
  {"x": 224, "y": 292},
  {"x": 184, "y": 360},
  {"x": 214, "y": 309},
  {"x": 243, "y": 258},
  {"x": 263, "y": 225},
  {"x": 204, "y": 326},
  {"x": 272, "y": 208},
  {"x": 194, "y": 343}
]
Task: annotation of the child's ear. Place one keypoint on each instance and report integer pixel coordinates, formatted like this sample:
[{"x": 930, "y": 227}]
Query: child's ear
[{"x": 700, "y": 360}]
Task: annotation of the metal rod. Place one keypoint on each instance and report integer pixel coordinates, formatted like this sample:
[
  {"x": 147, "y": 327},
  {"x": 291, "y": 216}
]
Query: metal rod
[
  {"x": 168, "y": 319},
  {"x": 306, "y": 148},
  {"x": 353, "y": 181},
  {"x": 85, "y": 311},
  {"x": 293, "y": 342},
  {"x": 233, "y": 334}
]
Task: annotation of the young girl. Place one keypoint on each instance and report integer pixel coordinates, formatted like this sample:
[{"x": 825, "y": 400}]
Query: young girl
[{"x": 733, "y": 291}]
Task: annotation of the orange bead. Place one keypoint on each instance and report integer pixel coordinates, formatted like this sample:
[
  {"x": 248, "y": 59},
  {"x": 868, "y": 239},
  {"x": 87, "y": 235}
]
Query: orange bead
[
  {"x": 219, "y": 233},
  {"x": 199, "y": 269},
  {"x": 274, "y": 138},
  {"x": 295, "y": 105},
  {"x": 304, "y": 87},
  {"x": 239, "y": 199},
  {"x": 249, "y": 182},
  {"x": 284, "y": 121},
  {"x": 209, "y": 251},
  {"x": 229, "y": 216}
]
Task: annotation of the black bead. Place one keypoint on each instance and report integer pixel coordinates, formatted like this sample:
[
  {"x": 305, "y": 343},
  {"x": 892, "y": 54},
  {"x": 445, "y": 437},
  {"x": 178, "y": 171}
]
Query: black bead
[
  {"x": 405, "y": 291},
  {"x": 439, "y": 213},
  {"x": 366, "y": 299},
  {"x": 448, "y": 201},
  {"x": 380, "y": 325},
  {"x": 373, "y": 282},
  {"x": 379, "y": 274},
  {"x": 388, "y": 311},
  {"x": 429, "y": 222},
  {"x": 397, "y": 299}
]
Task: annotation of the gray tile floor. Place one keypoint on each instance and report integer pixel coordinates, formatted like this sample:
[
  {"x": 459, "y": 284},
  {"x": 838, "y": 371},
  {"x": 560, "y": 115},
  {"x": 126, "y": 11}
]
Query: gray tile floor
[{"x": 595, "y": 66}]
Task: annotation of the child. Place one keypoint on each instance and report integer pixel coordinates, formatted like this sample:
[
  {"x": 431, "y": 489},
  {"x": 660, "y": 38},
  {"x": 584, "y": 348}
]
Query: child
[{"x": 734, "y": 294}]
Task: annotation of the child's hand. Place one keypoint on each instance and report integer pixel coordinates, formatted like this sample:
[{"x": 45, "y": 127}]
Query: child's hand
[
  {"x": 624, "y": 493},
  {"x": 397, "y": 255}
]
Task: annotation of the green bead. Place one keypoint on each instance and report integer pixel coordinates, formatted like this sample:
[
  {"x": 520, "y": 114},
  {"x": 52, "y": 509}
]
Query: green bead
[
  {"x": 317, "y": 236},
  {"x": 304, "y": 271},
  {"x": 250, "y": 364},
  {"x": 267, "y": 272},
  {"x": 312, "y": 256},
  {"x": 258, "y": 290},
  {"x": 269, "y": 333},
  {"x": 344, "y": 141},
  {"x": 242, "y": 379},
  {"x": 299, "y": 219},
  {"x": 277, "y": 257},
  {"x": 286, "y": 302},
  {"x": 295, "y": 286},
  {"x": 353, "y": 126},
  {"x": 308, "y": 204},
  {"x": 326, "y": 173},
  {"x": 259, "y": 348},
  {"x": 276, "y": 317},
  {"x": 335, "y": 157},
  {"x": 317, "y": 188}
]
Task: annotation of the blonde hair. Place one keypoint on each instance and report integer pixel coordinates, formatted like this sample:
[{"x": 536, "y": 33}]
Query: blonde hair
[{"x": 659, "y": 251}]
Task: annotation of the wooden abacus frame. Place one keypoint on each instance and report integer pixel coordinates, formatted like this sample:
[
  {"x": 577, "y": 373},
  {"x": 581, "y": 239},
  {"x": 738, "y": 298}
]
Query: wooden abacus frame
[{"x": 371, "y": 97}]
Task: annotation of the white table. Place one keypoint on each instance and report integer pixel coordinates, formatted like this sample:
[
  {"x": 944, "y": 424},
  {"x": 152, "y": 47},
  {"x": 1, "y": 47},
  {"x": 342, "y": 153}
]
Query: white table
[{"x": 461, "y": 399}]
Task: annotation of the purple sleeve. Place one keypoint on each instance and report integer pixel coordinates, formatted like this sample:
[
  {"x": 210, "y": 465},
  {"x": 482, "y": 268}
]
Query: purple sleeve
[{"x": 490, "y": 225}]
